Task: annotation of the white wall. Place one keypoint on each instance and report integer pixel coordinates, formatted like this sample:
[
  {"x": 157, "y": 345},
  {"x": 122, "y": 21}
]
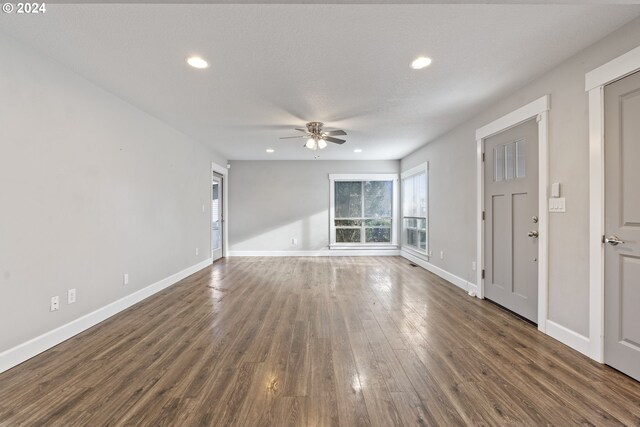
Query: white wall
[
  {"x": 452, "y": 172},
  {"x": 271, "y": 202},
  {"x": 90, "y": 188}
]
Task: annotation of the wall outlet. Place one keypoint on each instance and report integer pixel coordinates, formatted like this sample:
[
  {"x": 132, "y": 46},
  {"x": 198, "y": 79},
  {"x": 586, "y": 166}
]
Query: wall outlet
[
  {"x": 55, "y": 303},
  {"x": 441, "y": 254},
  {"x": 294, "y": 241},
  {"x": 473, "y": 265},
  {"x": 429, "y": 254},
  {"x": 197, "y": 251},
  {"x": 126, "y": 278},
  {"x": 71, "y": 296},
  {"x": 203, "y": 208}
]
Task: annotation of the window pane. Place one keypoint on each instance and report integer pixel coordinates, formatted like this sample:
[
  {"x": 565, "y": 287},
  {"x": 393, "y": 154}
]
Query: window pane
[
  {"x": 421, "y": 224},
  {"x": 378, "y": 235},
  {"x": 407, "y": 196},
  {"x": 420, "y": 202},
  {"x": 348, "y": 223},
  {"x": 377, "y": 199},
  {"x": 422, "y": 236},
  {"x": 348, "y": 199},
  {"x": 412, "y": 237},
  {"x": 377, "y": 223},
  {"x": 348, "y": 235},
  {"x": 521, "y": 155}
]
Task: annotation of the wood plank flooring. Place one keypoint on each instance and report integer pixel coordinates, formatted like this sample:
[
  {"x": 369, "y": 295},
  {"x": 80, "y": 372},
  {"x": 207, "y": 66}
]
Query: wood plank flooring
[{"x": 349, "y": 341}]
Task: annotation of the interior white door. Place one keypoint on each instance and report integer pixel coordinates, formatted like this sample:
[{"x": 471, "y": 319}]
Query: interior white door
[
  {"x": 622, "y": 225},
  {"x": 216, "y": 217},
  {"x": 511, "y": 219}
]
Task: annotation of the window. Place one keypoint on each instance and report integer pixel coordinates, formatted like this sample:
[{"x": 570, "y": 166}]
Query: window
[
  {"x": 414, "y": 209},
  {"x": 363, "y": 209}
]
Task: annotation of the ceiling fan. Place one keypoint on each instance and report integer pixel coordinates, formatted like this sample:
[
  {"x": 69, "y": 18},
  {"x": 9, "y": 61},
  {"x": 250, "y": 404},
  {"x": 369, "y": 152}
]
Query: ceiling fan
[{"x": 316, "y": 137}]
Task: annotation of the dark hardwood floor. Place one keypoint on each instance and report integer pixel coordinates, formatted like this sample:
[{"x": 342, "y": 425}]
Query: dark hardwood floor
[{"x": 315, "y": 341}]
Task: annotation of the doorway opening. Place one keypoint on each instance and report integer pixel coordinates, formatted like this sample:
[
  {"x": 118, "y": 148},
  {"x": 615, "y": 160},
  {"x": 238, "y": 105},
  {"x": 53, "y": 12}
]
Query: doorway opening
[{"x": 217, "y": 229}]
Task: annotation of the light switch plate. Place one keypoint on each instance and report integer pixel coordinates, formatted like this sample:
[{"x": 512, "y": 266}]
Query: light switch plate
[{"x": 557, "y": 205}]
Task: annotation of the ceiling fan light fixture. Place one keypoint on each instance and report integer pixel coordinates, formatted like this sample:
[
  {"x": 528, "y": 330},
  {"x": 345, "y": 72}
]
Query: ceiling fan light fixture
[
  {"x": 311, "y": 144},
  {"x": 420, "y": 62},
  {"x": 322, "y": 144}
]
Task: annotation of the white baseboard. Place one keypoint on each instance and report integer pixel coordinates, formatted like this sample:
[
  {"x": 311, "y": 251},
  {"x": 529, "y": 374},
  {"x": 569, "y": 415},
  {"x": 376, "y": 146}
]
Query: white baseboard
[
  {"x": 321, "y": 252},
  {"x": 458, "y": 281},
  {"x": 22, "y": 352},
  {"x": 567, "y": 336}
]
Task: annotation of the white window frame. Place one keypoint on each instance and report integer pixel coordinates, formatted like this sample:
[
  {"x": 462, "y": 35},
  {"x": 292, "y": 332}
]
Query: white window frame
[
  {"x": 422, "y": 168},
  {"x": 394, "y": 210}
]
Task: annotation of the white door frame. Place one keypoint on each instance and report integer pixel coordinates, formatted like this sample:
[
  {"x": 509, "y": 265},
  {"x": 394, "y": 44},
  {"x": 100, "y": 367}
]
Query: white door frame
[
  {"x": 221, "y": 170},
  {"x": 595, "y": 81},
  {"x": 540, "y": 110}
]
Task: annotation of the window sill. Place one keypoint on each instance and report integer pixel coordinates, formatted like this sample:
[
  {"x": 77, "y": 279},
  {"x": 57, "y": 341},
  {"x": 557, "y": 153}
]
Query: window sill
[
  {"x": 424, "y": 255},
  {"x": 347, "y": 246}
]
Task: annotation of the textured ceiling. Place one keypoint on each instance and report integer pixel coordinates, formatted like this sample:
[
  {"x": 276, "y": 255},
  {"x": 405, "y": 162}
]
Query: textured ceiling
[{"x": 275, "y": 67}]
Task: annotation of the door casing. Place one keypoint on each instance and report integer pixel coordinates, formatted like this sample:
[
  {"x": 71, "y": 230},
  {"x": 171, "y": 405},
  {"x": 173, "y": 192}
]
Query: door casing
[
  {"x": 219, "y": 179},
  {"x": 595, "y": 81},
  {"x": 221, "y": 170},
  {"x": 538, "y": 109}
]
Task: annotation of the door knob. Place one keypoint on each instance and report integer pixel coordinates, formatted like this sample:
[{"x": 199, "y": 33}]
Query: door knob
[
  {"x": 533, "y": 234},
  {"x": 612, "y": 240}
]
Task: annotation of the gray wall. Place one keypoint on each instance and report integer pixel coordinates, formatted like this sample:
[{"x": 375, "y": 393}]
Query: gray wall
[
  {"x": 91, "y": 188},
  {"x": 271, "y": 202},
  {"x": 452, "y": 160}
]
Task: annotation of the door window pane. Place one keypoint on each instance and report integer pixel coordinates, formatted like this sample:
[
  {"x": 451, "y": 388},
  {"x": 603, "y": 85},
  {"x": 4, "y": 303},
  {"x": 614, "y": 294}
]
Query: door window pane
[
  {"x": 498, "y": 163},
  {"x": 510, "y": 161},
  {"x": 521, "y": 155},
  {"x": 348, "y": 199}
]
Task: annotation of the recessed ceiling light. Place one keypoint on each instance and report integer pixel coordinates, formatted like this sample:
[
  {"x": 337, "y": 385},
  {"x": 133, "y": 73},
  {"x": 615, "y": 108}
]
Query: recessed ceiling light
[
  {"x": 357, "y": 150},
  {"x": 270, "y": 150},
  {"x": 420, "y": 62},
  {"x": 197, "y": 62}
]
